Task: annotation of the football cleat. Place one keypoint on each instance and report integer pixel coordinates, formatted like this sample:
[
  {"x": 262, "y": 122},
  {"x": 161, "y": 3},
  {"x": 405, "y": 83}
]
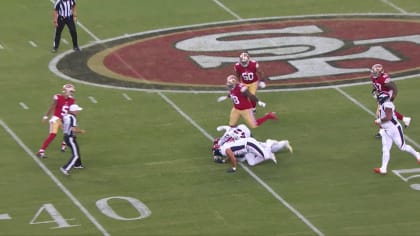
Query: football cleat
[
  {"x": 289, "y": 147},
  {"x": 407, "y": 121},
  {"x": 273, "y": 157},
  {"x": 232, "y": 170},
  {"x": 271, "y": 115},
  {"x": 378, "y": 171},
  {"x": 378, "y": 135},
  {"x": 79, "y": 167},
  {"x": 65, "y": 172},
  {"x": 41, "y": 155}
]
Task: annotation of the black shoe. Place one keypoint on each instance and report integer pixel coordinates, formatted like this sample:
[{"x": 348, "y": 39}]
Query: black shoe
[
  {"x": 231, "y": 170},
  {"x": 76, "y": 49},
  {"x": 79, "y": 167},
  {"x": 54, "y": 50},
  {"x": 378, "y": 135}
]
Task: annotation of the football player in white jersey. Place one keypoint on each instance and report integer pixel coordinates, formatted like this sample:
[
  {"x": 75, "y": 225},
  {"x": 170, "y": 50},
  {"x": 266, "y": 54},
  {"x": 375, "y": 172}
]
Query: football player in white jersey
[
  {"x": 391, "y": 132},
  {"x": 237, "y": 144}
]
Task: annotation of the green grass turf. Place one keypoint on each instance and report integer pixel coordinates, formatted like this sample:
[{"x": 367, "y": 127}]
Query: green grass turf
[{"x": 146, "y": 150}]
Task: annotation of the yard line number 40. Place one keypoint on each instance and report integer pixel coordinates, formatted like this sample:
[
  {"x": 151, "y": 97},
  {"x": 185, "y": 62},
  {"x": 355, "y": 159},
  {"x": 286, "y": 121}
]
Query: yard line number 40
[{"x": 102, "y": 205}]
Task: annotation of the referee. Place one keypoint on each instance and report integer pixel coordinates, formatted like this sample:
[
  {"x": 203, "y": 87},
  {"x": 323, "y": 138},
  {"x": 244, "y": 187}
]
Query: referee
[
  {"x": 65, "y": 13},
  {"x": 70, "y": 130}
]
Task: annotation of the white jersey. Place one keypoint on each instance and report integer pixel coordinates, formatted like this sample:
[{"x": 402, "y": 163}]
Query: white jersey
[
  {"x": 394, "y": 121},
  {"x": 246, "y": 145},
  {"x": 234, "y": 133}
]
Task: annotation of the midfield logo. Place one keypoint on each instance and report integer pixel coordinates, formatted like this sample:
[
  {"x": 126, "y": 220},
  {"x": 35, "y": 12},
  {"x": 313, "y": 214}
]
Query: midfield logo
[
  {"x": 301, "y": 50},
  {"x": 293, "y": 52}
]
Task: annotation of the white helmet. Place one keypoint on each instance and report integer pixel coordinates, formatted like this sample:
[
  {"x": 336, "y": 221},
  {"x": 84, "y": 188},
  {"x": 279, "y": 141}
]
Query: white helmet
[
  {"x": 376, "y": 70},
  {"x": 244, "y": 59},
  {"x": 231, "y": 81},
  {"x": 68, "y": 89}
]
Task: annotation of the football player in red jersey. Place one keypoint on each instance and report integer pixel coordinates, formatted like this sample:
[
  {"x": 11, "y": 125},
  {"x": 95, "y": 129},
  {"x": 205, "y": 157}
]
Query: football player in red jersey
[
  {"x": 243, "y": 101},
  {"x": 382, "y": 82},
  {"x": 250, "y": 74},
  {"x": 59, "y": 106}
]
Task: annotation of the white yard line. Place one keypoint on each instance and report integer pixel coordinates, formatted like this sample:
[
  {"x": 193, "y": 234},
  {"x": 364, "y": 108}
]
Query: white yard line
[
  {"x": 394, "y": 6},
  {"x": 54, "y": 179}
]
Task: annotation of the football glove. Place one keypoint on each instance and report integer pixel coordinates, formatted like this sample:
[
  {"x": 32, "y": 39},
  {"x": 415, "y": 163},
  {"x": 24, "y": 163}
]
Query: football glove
[
  {"x": 221, "y": 98},
  {"x": 261, "y": 104},
  {"x": 262, "y": 84}
]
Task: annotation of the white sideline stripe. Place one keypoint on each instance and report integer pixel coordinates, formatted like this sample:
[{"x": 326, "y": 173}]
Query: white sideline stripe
[
  {"x": 371, "y": 113},
  {"x": 54, "y": 179}
]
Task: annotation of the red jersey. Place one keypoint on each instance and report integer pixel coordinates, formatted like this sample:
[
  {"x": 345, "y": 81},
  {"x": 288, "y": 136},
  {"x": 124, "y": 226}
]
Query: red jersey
[
  {"x": 380, "y": 83},
  {"x": 248, "y": 75},
  {"x": 62, "y": 105},
  {"x": 240, "y": 101}
]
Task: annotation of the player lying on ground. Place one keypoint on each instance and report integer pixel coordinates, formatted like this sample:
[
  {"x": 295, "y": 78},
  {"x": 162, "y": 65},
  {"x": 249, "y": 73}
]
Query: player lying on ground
[{"x": 237, "y": 144}]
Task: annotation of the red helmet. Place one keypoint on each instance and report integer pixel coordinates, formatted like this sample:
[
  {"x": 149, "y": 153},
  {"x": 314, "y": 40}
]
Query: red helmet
[
  {"x": 231, "y": 81},
  {"x": 68, "y": 89},
  {"x": 376, "y": 70},
  {"x": 244, "y": 59}
]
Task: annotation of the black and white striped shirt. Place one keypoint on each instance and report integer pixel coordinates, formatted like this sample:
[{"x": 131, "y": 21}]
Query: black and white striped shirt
[
  {"x": 69, "y": 121},
  {"x": 64, "y": 7}
]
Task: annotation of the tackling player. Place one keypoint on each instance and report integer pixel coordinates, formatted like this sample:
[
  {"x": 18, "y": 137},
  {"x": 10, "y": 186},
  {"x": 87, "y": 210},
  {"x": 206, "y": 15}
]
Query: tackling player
[
  {"x": 59, "y": 106},
  {"x": 243, "y": 101}
]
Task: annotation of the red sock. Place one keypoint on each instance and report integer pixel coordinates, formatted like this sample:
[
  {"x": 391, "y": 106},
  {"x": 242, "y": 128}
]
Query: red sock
[
  {"x": 398, "y": 115},
  {"x": 268, "y": 116},
  {"x": 47, "y": 141}
]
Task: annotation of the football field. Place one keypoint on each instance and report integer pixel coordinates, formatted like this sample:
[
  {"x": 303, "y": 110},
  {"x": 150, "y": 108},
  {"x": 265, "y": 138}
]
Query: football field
[{"x": 147, "y": 148}]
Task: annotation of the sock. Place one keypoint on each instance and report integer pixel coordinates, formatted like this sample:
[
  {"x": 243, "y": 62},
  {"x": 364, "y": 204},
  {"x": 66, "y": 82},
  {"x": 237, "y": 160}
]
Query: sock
[
  {"x": 264, "y": 119},
  {"x": 63, "y": 145},
  {"x": 47, "y": 141}
]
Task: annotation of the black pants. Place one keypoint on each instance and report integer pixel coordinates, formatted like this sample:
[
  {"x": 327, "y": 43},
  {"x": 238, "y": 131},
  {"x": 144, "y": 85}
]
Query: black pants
[
  {"x": 61, "y": 22},
  {"x": 74, "y": 147}
]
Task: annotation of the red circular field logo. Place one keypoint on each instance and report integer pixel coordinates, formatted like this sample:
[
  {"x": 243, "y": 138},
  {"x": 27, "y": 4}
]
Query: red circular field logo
[{"x": 292, "y": 52}]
